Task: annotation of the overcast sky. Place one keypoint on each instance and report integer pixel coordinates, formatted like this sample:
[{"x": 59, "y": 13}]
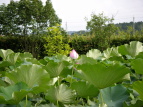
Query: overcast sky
[{"x": 73, "y": 12}]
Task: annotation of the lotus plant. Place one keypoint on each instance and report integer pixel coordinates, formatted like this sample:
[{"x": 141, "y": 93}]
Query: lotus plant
[{"x": 74, "y": 54}]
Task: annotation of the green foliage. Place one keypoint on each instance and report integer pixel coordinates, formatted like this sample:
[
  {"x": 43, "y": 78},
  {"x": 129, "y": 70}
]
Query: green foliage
[
  {"x": 33, "y": 44},
  {"x": 98, "y": 79},
  {"x": 13, "y": 94},
  {"x": 103, "y": 28},
  {"x": 55, "y": 42},
  {"x": 102, "y": 76},
  {"x": 138, "y": 85},
  {"x": 60, "y": 94},
  {"x": 114, "y": 96},
  {"x": 133, "y": 49},
  {"x": 83, "y": 87},
  {"x": 26, "y": 17}
]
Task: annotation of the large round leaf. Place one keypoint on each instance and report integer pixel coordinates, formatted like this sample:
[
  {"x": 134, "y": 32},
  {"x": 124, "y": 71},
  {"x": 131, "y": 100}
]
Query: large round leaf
[
  {"x": 32, "y": 75},
  {"x": 5, "y": 53},
  {"x": 114, "y": 96},
  {"x": 55, "y": 68},
  {"x": 132, "y": 49},
  {"x": 102, "y": 76},
  {"x": 84, "y": 89},
  {"x": 61, "y": 94},
  {"x": 138, "y": 103},
  {"x": 13, "y": 94},
  {"x": 4, "y": 64},
  {"x": 24, "y": 55},
  {"x": 84, "y": 59},
  {"x": 94, "y": 53},
  {"x": 47, "y": 105},
  {"x": 137, "y": 65},
  {"x": 111, "y": 52},
  {"x": 138, "y": 86},
  {"x": 12, "y": 58}
]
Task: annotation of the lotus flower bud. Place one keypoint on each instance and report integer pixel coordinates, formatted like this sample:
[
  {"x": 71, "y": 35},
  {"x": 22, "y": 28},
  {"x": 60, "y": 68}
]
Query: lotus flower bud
[{"x": 74, "y": 54}]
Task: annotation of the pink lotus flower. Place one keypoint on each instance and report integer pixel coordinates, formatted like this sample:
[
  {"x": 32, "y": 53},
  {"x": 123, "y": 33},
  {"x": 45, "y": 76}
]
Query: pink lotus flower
[{"x": 74, "y": 54}]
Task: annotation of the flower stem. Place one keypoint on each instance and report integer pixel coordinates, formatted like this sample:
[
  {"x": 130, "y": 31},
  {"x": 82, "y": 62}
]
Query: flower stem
[{"x": 71, "y": 78}]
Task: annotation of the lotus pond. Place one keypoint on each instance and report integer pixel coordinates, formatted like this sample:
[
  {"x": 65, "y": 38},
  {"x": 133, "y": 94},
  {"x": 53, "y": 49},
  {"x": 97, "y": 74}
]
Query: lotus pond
[{"x": 112, "y": 78}]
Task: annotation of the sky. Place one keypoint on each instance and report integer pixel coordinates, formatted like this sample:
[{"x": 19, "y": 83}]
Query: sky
[{"x": 74, "y": 12}]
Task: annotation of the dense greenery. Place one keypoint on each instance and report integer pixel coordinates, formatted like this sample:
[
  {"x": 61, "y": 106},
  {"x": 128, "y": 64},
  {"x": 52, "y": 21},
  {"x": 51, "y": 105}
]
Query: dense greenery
[
  {"x": 98, "y": 79},
  {"x": 56, "y": 43},
  {"x": 102, "y": 27},
  {"x": 124, "y": 26},
  {"x": 82, "y": 44},
  {"x": 26, "y": 17}
]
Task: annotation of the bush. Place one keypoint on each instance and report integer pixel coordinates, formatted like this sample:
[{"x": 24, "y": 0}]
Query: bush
[{"x": 55, "y": 42}]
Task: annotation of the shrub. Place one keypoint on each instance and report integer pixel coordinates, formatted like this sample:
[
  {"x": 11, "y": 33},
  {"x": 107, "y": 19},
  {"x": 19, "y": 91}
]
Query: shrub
[{"x": 55, "y": 42}]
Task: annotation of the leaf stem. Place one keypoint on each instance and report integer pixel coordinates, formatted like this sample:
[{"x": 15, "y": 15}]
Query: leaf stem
[
  {"x": 26, "y": 101},
  {"x": 71, "y": 77},
  {"x": 101, "y": 99},
  {"x": 58, "y": 80},
  {"x": 57, "y": 103}
]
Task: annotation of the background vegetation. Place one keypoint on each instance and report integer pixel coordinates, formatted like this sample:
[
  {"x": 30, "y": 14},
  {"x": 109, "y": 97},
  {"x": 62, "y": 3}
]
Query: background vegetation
[{"x": 37, "y": 30}]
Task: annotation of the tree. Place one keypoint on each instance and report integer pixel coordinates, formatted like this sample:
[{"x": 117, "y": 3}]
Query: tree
[
  {"x": 56, "y": 43},
  {"x": 26, "y": 17},
  {"x": 102, "y": 27},
  {"x": 8, "y": 19}
]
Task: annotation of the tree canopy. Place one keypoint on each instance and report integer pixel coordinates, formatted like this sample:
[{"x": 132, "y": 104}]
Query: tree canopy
[{"x": 26, "y": 17}]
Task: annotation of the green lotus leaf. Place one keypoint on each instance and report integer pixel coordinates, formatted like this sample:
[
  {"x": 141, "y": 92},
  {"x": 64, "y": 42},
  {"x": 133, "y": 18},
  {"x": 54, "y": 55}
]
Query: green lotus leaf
[
  {"x": 4, "y": 64},
  {"x": 111, "y": 52},
  {"x": 84, "y": 89},
  {"x": 47, "y": 105},
  {"x": 61, "y": 94},
  {"x": 114, "y": 96},
  {"x": 140, "y": 55},
  {"x": 79, "y": 106},
  {"x": 137, "y": 65},
  {"x": 132, "y": 49},
  {"x": 32, "y": 75},
  {"x": 12, "y": 58},
  {"x": 24, "y": 55},
  {"x": 5, "y": 53},
  {"x": 138, "y": 86},
  {"x": 138, "y": 103},
  {"x": 31, "y": 61},
  {"x": 80, "y": 75},
  {"x": 94, "y": 53},
  {"x": 62, "y": 58},
  {"x": 13, "y": 94},
  {"x": 3, "y": 83},
  {"x": 66, "y": 72},
  {"x": 84, "y": 59},
  {"x": 57, "y": 58},
  {"x": 102, "y": 76},
  {"x": 23, "y": 104},
  {"x": 55, "y": 68}
]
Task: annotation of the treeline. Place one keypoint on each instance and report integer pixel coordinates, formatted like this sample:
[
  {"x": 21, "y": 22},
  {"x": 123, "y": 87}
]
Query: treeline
[
  {"x": 27, "y": 17},
  {"x": 136, "y": 25},
  {"x": 30, "y": 26},
  {"x": 82, "y": 44}
]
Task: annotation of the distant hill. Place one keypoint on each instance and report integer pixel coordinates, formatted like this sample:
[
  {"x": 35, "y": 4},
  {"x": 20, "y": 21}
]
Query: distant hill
[
  {"x": 81, "y": 32},
  {"x": 123, "y": 26}
]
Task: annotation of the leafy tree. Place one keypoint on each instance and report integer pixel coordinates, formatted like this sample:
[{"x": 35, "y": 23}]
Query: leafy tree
[
  {"x": 8, "y": 19},
  {"x": 102, "y": 27},
  {"x": 56, "y": 43},
  {"x": 124, "y": 26},
  {"x": 26, "y": 17}
]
